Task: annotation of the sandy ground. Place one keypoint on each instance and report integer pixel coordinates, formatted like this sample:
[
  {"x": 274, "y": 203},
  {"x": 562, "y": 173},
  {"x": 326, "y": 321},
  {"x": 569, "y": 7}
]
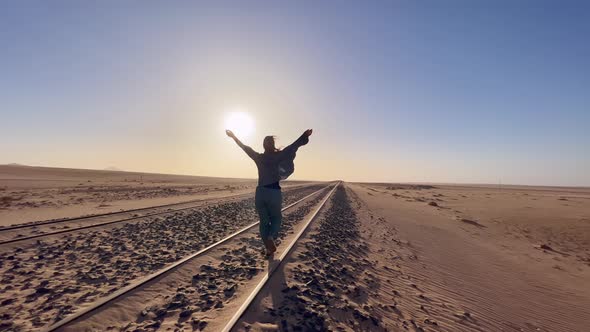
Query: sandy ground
[
  {"x": 384, "y": 257},
  {"x": 379, "y": 257},
  {"x": 40, "y": 193},
  {"x": 512, "y": 258}
]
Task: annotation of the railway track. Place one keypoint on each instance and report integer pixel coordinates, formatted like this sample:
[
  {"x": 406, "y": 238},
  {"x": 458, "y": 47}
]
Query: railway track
[
  {"x": 262, "y": 283},
  {"x": 66, "y": 323},
  {"x": 31, "y": 231}
]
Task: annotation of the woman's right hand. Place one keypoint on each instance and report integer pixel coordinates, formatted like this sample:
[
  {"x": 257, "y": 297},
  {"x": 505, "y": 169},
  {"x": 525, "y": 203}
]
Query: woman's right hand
[
  {"x": 230, "y": 133},
  {"x": 308, "y": 132}
]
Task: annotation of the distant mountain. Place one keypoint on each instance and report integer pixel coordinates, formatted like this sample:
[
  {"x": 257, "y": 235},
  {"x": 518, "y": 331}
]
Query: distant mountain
[{"x": 113, "y": 168}]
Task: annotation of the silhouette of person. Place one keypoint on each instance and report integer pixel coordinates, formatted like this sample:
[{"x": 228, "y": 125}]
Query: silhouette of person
[{"x": 273, "y": 166}]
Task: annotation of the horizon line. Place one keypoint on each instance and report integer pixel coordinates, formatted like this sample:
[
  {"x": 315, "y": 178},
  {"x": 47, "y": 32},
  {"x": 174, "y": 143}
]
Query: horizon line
[{"x": 499, "y": 185}]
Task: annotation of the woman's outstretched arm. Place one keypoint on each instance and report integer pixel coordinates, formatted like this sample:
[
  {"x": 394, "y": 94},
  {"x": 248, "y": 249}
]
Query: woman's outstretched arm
[
  {"x": 302, "y": 140},
  {"x": 249, "y": 151}
]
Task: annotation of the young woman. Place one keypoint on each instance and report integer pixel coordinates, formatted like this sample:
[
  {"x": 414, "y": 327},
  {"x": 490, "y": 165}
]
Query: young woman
[{"x": 273, "y": 165}]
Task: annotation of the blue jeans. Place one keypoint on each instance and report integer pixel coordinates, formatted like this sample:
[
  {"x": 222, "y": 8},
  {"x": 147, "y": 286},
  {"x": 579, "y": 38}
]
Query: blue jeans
[{"x": 268, "y": 205}]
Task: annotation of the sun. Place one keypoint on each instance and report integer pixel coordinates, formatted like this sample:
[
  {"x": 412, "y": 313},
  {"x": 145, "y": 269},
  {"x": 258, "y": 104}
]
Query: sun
[{"x": 240, "y": 123}]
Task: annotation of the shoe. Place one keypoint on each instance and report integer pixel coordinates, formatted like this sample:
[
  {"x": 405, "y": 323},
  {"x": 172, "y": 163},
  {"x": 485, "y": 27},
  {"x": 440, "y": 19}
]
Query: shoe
[{"x": 270, "y": 247}]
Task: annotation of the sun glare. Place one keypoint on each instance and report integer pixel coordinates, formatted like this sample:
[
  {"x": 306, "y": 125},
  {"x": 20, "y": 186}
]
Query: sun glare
[{"x": 240, "y": 123}]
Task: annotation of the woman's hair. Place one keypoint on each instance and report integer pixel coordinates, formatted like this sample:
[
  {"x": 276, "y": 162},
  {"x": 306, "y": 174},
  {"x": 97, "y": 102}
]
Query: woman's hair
[{"x": 269, "y": 144}]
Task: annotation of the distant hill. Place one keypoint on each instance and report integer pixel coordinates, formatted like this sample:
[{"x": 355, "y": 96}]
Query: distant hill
[{"x": 113, "y": 168}]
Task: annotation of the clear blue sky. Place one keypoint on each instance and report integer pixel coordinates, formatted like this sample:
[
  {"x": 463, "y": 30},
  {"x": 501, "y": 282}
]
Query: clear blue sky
[{"x": 460, "y": 91}]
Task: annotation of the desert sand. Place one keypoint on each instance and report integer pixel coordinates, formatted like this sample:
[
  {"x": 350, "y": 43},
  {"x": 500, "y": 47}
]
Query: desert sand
[
  {"x": 443, "y": 258},
  {"x": 379, "y": 257}
]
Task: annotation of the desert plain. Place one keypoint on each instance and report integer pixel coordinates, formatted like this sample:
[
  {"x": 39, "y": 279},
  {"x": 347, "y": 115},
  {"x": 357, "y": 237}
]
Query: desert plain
[{"x": 378, "y": 257}]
